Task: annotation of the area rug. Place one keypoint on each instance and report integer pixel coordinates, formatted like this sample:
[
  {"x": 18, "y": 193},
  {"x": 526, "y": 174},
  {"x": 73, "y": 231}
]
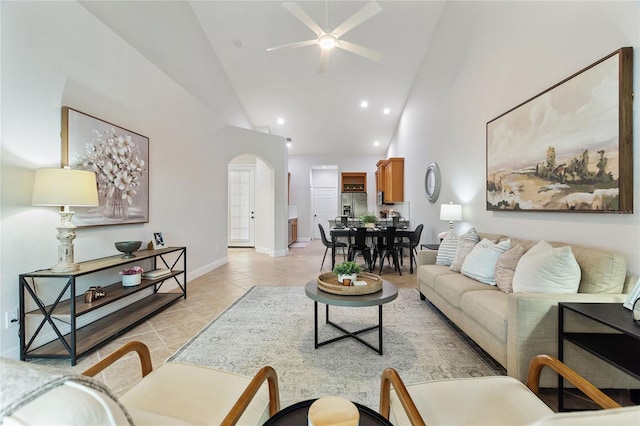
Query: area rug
[
  {"x": 274, "y": 326},
  {"x": 300, "y": 245}
]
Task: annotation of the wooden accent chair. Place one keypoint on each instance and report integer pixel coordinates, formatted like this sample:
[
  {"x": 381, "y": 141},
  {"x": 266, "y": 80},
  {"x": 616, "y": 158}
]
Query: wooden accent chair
[
  {"x": 497, "y": 400},
  {"x": 190, "y": 394}
]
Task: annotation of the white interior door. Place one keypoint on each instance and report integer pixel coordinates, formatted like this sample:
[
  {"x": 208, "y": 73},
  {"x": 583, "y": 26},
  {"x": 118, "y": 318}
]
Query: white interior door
[
  {"x": 325, "y": 208},
  {"x": 241, "y": 206}
]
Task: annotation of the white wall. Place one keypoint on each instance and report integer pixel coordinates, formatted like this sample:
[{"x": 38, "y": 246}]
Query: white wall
[
  {"x": 486, "y": 58},
  {"x": 57, "y": 53}
]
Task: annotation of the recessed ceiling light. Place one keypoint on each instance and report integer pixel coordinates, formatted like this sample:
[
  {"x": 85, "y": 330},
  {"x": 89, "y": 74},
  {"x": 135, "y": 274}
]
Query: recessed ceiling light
[
  {"x": 364, "y": 104},
  {"x": 386, "y": 110},
  {"x": 376, "y": 143},
  {"x": 281, "y": 121}
]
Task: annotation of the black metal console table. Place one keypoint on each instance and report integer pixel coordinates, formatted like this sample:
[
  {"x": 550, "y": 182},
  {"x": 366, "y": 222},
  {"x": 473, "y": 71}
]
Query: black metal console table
[
  {"x": 55, "y": 304},
  {"x": 621, "y": 349}
]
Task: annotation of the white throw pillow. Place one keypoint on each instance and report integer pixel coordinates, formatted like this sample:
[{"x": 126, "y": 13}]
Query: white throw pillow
[
  {"x": 545, "y": 269},
  {"x": 447, "y": 249},
  {"x": 480, "y": 264}
]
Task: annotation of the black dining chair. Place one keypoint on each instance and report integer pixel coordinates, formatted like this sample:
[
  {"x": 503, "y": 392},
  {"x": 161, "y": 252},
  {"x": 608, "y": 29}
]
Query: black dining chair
[
  {"x": 387, "y": 248},
  {"x": 414, "y": 240},
  {"x": 333, "y": 245},
  {"x": 359, "y": 247}
]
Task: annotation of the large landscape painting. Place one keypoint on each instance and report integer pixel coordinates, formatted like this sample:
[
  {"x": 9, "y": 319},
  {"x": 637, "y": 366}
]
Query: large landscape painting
[{"x": 569, "y": 148}]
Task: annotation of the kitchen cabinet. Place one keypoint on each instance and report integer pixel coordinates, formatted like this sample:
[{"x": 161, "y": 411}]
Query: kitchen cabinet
[
  {"x": 293, "y": 231},
  {"x": 50, "y": 300},
  {"x": 390, "y": 179},
  {"x": 354, "y": 182}
]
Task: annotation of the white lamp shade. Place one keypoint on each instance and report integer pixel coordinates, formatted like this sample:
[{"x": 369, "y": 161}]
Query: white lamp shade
[
  {"x": 65, "y": 187},
  {"x": 451, "y": 212}
]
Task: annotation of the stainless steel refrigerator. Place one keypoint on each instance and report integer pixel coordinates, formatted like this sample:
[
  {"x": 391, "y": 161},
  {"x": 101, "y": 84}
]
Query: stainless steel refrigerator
[{"x": 354, "y": 204}]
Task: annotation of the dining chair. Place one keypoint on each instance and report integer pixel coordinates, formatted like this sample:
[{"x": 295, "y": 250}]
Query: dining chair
[
  {"x": 414, "y": 240},
  {"x": 333, "y": 245},
  {"x": 387, "y": 247},
  {"x": 359, "y": 247}
]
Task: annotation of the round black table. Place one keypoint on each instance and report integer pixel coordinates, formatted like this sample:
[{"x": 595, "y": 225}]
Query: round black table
[
  {"x": 296, "y": 414},
  {"x": 388, "y": 293}
]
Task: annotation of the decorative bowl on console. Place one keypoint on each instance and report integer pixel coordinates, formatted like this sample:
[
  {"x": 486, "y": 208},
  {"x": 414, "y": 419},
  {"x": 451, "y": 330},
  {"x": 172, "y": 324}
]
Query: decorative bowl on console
[{"x": 128, "y": 247}]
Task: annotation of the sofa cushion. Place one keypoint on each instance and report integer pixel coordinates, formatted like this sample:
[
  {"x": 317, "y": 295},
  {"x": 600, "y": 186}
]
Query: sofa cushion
[
  {"x": 489, "y": 309},
  {"x": 545, "y": 269},
  {"x": 453, "y": 286},
  {"x": 427, "y": 274},
  {"x": 465, "y": 244},
  {"x": 480, "y": 264},
  {"x": 506, "y": 267},
  {"x": 603, "y": 271}
]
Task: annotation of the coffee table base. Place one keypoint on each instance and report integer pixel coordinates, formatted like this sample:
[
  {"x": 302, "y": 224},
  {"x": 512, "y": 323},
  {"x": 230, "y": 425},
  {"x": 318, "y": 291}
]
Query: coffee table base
[{"x": 347, "y": 333}]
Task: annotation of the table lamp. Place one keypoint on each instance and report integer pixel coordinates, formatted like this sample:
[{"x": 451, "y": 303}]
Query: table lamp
[
  {"x": 65, "y": 187},
  {"x": 451, "y": 212}
]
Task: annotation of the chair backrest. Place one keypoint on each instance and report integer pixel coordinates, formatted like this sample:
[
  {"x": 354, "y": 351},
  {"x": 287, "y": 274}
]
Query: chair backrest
[
  {"x": 389, "y": 236},
  {"x": 325, "y": 241},
  {"x": 360, "y": 238},
  {"x": 414, "y": 238}
]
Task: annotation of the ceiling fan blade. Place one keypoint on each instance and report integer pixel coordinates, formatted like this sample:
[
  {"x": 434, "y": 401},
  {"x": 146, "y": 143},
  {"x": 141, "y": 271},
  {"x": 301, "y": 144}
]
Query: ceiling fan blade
[
  {"x": 293, "y": 45},
  {"x": 296, "y": 11},
  {"x": 374, "y": 55},
  {"x": 357, "y": 18},
  {"x": 324, "y": 60}
]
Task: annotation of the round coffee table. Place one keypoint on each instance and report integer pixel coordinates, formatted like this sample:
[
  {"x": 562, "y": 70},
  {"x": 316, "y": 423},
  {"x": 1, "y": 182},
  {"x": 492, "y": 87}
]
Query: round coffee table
[{"x": 388, "y": 293}]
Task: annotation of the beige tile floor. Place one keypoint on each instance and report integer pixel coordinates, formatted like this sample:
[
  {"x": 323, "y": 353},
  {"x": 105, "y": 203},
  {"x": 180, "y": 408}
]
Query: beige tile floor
[
  {"x": 210, "y": 294},
  {"x": 207, "y": 297}
]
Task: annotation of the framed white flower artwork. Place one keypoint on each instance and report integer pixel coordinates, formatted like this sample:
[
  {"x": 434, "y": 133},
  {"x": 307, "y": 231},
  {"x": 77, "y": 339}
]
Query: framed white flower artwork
[{"x": 120, "y": 160}]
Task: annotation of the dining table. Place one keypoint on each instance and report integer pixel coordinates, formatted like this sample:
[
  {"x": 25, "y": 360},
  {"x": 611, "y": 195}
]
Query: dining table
[{"x": 372, "y": 232}]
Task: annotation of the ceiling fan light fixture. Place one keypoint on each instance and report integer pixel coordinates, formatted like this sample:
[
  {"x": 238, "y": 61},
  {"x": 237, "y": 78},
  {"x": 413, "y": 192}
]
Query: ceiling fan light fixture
[{"x": 327, "y": 41}]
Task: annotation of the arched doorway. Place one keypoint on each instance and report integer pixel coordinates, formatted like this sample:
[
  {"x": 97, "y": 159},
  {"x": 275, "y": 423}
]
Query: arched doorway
[{"x": 271, "y": 209}]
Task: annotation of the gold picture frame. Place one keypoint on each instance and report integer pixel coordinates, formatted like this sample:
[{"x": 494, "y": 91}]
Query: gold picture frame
[{"x": 569, "y": 148}]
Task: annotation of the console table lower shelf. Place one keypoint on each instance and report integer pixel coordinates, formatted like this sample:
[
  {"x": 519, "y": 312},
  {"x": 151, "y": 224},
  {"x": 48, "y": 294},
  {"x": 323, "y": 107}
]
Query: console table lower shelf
[
  {"x": 58, "y": 321},
  {"x": 107, "y": 328}
]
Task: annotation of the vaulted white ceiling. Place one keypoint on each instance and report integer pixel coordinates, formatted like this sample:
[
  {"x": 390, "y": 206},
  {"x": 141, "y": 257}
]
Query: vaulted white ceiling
[{"x": 321, "y": 111}]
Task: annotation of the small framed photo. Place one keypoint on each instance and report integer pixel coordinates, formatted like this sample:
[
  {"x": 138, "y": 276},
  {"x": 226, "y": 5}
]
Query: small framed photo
[
  {"x": 158, "y": 241},
  {"x": 633, "y": 296}
]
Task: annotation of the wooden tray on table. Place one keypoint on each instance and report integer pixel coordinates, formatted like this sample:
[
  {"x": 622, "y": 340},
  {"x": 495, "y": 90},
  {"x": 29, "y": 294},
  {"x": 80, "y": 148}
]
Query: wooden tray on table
[{"x": 329, "y": 282}]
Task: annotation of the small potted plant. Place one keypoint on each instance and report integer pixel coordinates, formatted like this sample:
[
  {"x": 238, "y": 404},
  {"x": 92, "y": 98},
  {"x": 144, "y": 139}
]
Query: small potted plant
[
  {"x": 369, "y": 220},
  {"x": 131, "y": 276},
  {"x": 347, "y": 271}
]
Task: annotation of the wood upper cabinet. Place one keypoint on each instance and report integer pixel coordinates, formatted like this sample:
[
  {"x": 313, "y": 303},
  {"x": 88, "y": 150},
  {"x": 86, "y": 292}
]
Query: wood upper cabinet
[
  {"x": 390, "y": 179},
  {"x": 380, "y": 174},
  {"x": 354, "y": 182}
]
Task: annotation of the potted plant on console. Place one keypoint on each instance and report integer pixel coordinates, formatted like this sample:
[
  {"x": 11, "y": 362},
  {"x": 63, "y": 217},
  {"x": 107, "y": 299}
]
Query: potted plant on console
[
  {"x": 369, "y": 220},
  {"x": 347, "y": 271},
  {"x": 131, "y": 277}
]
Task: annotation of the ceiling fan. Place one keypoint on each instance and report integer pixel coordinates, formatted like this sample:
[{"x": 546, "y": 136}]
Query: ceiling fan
[{"x": 329, "y": 40}]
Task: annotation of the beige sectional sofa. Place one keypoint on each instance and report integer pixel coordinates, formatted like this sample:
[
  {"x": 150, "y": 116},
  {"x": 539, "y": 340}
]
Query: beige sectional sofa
[{"x": 514, "y": 327}]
